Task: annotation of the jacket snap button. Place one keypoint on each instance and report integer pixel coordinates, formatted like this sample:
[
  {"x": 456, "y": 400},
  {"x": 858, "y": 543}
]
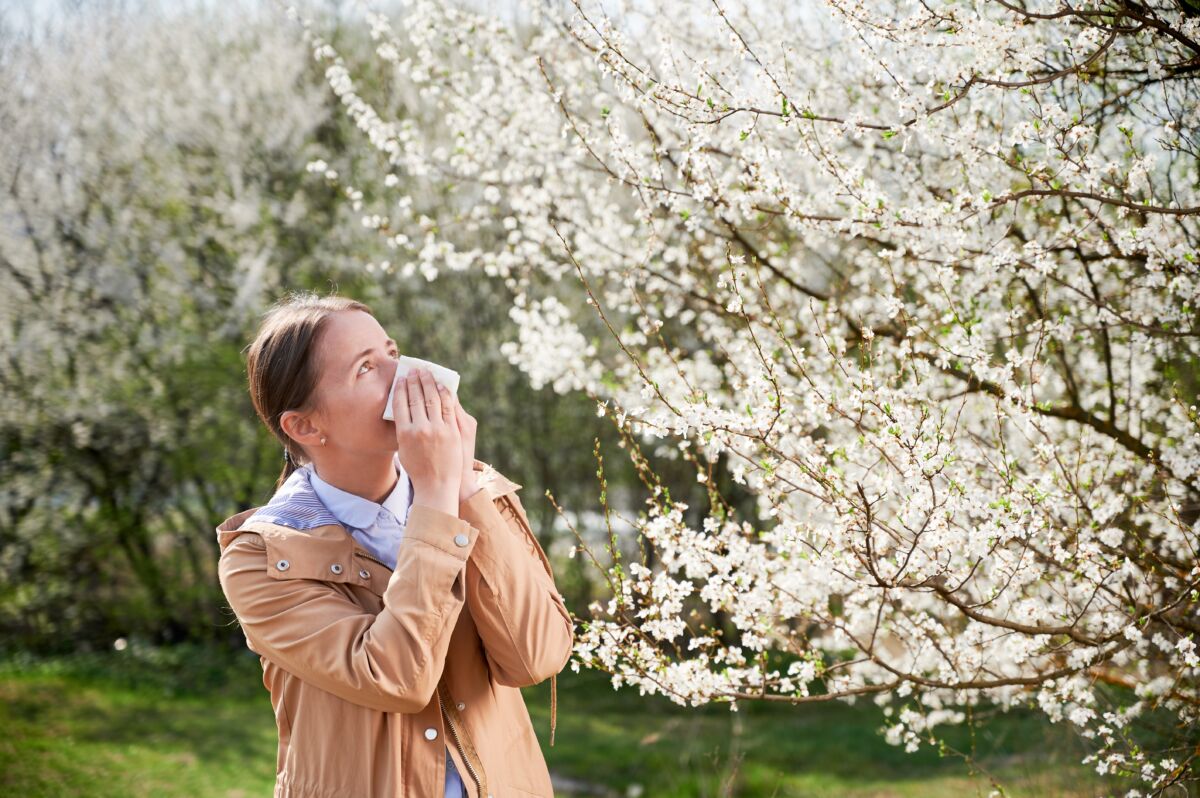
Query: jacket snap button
[
  {"x": 431, "y": 733},
  {"x": 336, "y": 568},
  {"x": 461, "y": 539},
  {"x": 282, "y": 565},
  {"x": 461, "y": 706},
  {"x": 364, "y": 573}
]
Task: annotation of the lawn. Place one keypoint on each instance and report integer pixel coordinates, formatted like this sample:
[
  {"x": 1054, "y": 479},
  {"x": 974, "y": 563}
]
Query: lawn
[{"x": 197, "y": 722}]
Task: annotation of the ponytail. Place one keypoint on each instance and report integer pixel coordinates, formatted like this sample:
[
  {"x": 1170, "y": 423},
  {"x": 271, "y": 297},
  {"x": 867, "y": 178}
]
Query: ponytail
[{"x": 281, "y": 366}]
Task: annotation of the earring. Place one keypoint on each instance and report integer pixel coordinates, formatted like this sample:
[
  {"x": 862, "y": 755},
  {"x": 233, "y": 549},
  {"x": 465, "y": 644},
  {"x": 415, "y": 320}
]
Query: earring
[{"x": 322, "y": 440}]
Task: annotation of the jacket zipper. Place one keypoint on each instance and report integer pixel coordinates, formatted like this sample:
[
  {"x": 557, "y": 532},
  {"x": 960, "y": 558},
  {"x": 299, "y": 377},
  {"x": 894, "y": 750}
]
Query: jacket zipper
[
  {"x": 458, "y": 743},
  {"x": 441, "y": 703}
]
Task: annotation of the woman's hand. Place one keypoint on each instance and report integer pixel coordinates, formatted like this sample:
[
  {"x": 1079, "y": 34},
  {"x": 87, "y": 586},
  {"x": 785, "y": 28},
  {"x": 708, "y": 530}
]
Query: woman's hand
[
  {"x": 466, "y": 427},
  {"x": 429, "y": 441}
]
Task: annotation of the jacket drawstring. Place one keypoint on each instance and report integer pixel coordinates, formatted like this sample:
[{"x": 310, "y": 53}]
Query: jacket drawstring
[{"x": 553, "y": 704}]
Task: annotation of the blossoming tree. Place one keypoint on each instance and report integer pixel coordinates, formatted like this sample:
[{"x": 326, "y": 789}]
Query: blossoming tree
[{"x": 921, "y": 276}]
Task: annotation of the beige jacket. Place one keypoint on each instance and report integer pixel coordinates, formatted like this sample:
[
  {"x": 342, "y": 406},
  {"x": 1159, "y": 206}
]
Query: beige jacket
[{"x": 373, "y": 673}]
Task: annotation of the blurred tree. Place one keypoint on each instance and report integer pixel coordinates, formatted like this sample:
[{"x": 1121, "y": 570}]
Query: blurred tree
[{"x": 152, "y": 200}]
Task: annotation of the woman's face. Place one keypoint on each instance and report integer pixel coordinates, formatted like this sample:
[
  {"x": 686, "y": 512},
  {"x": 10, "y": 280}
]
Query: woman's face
[{"x": 356, "y": 362}]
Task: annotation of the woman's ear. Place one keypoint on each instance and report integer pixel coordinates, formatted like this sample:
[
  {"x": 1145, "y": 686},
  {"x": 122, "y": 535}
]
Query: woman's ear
[{"x": 300, "y": 427}]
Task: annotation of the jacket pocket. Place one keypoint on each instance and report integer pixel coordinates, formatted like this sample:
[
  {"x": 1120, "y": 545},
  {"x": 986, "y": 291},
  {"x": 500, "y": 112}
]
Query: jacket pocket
[{"x": 521, "y": 751}]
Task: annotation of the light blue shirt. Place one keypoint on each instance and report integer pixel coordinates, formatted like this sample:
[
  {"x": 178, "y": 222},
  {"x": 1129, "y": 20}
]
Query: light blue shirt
[{"x": 379, "y": 528}]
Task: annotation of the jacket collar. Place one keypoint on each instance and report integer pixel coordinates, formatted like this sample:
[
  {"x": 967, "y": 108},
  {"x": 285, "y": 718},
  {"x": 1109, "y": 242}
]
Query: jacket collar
[{"x": 296, "y": 511}]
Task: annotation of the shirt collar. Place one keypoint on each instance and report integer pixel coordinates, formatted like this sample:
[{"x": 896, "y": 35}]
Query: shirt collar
[{"x": 355, "y": 511}]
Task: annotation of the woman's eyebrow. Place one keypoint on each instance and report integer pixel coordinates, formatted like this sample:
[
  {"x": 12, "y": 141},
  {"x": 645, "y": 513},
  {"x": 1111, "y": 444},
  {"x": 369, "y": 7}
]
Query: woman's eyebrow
[{"x": 391, "y": 343}]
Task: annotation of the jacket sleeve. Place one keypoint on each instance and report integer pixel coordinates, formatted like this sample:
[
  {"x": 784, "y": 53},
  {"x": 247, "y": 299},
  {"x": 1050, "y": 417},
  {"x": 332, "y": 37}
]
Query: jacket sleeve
[
  {"x": 391, "y": 661},
  {"x": 526, "y": 629}
]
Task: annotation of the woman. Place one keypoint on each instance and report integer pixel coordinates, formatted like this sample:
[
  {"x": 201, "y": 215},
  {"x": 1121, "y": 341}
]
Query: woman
[{"x": 391, "y": 587}]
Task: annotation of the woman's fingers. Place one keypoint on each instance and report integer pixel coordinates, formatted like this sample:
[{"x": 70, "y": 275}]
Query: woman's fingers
[
  {"x": 401, "y": 412},
  {"x": 419, "y": 397},
  {"x": 433, "y": 402},
  {"x": 448, "y": 404},
  {"x": 416, "y": 401}
]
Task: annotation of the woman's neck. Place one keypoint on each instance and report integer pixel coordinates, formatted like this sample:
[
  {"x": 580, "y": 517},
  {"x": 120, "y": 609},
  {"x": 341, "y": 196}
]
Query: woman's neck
[{"x": 372, "y": 477}]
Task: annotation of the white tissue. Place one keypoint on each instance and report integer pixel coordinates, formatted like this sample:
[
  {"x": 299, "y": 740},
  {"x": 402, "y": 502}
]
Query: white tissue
[{"x": 405, "y": 364}]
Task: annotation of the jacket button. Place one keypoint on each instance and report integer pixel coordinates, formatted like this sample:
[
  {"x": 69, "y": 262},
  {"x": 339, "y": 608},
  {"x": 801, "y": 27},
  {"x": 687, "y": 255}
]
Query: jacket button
[
  {"x": 364, "y": 573},
  {"x": 282, "y": 565},
  {"x": 461, "y": 706},
  {"x": 431, "y": 733},
  {"x": 461, "y": 539},
  {"x": 336, "y": 567}
]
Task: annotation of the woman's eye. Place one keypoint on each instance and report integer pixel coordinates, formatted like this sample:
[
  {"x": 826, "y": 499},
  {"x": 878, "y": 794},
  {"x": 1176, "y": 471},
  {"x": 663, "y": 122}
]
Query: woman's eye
[{"x": 393, "y": 355}]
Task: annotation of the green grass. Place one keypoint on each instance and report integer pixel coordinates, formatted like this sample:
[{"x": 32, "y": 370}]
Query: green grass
[
  {"x": 197, "y": 722},
  {"x": 817, "y": 750},
  {"x": 91, "y": 726}
]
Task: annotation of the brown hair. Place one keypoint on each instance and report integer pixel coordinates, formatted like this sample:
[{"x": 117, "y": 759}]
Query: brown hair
[{"x": 281, "y": 365}]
